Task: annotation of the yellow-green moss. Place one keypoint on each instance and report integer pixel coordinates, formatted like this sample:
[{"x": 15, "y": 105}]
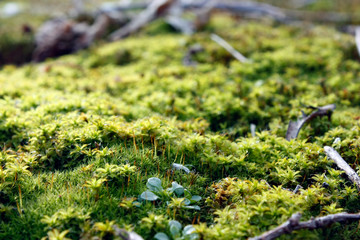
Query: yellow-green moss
[{"x": 132, "y": 103}]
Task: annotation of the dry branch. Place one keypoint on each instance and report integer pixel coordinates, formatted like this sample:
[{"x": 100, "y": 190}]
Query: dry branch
[
  {"x": 253, "y": 129},
  {"x": 357, "y": 39},
  {"x": 295, "y": 127},
  {"x": 294, "y": 224},
  {"x": 251, "y": 8},
  {"x": 259, "y": 10},
  {"x": 156, "y": 9},
  {"x": 340, "y": 162},
  {"x": 229, "y": 48}
]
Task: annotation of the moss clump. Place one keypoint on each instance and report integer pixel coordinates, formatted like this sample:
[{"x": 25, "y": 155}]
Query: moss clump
[{"x": 82, "y": 135}]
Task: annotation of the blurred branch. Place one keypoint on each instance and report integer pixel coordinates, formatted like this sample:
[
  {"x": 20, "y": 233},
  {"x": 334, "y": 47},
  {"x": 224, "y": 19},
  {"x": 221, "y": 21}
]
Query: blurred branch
[
  {"x": 340, "y": 162},
  {"x": 295, "y": 126},
  {"x": 294, "y": 224},
  {"x": 229, "y": 48},
  {"x": 259, "y": 10},
  {"x": 154, "y": 10}
]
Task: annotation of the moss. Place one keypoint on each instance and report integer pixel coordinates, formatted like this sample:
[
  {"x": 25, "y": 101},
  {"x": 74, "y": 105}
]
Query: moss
[{"x": 68, "y": 126}]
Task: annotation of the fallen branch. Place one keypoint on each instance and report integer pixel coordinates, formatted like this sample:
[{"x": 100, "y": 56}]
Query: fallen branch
[
  {"x": 357, "y": 39},
  {"x": 125, "y": 235},
  {"x": 340, "y": 162},
  {"x": 62, "y": 36},
  {"x": 156, "y": 9},
  {"x": 229, "y": 48},
  {"x": 251, "y": 8},
  {"x": 253, "y": 129},
  {"x": 295, "y": 127},
  {"x": 294, "y": 224},
  {"x": 259, "y": 10},
  {"x": 188, "y": 58}
]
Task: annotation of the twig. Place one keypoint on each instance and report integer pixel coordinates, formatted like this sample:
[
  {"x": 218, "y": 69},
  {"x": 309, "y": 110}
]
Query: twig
[
  {"x": 153, "y": 11},
  {"x": 229, "y": 48},
  {"x": 203, "y": 15},
  {"x": 294, "y": 224},
  {"x": 297, "y": 188},
  {"x": 357, "y": 39},
  {"x": 259, "y": 10},
  {"x": 340, "y": 162},
  {"x": 125, "y": 235},
  {"x": 188, "y": 58},
  {"x": 295, "y": 127},
  {"x": 228, "y": 6},
  {"x": 253, "y": 129}
]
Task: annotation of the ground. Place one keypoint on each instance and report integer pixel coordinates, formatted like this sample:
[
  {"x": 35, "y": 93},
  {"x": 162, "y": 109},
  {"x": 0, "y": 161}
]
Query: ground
[{"x": 90, "y": 140}]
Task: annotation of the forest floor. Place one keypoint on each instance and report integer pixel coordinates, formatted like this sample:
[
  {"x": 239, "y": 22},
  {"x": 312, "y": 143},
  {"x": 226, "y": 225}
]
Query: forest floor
[{"x": 125, "y": 135}]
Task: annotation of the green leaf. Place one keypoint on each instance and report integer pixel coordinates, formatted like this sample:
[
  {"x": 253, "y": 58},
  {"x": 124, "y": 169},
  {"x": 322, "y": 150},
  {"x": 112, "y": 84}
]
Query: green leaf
[
  {"x": 187, "y": 201},
  {"x": 175, "y": 228},
  {"x": 195, "y": 198},
  {"x": 189, "y": 233},
  {"x": 161, "y": 236},
  {"x": 149, "y": 196},
  {"x": 154, "y": 184},
  {"x": 177, "y": 189},
  {"x": 188, "y": 229}
]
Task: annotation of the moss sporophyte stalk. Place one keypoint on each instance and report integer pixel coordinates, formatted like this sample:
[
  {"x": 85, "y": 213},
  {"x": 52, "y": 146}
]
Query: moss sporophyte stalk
[{"x": 92, "y": 145}]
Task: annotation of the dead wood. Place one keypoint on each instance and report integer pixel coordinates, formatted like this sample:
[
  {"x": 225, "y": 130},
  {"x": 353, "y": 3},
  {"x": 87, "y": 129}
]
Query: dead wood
[
  {"x": 294, "y": 224},
  {"x": 228, "y": 6},
  {"x": 259, "y": 10},
  {"x": 125, "y": 235},
  {"x": 188, "y": 58},
  {"x": 58, "y": 37},
  {"x": 340, "y": 162},
  {"x": 203, "y": 15},
  {"x": 295, "y": 127},
  {"x": 253, "y": 129},
  {"x": 357, "y": 39},
  {"x": 156, "y": 9},
  {"x": 229, "y": 48}
]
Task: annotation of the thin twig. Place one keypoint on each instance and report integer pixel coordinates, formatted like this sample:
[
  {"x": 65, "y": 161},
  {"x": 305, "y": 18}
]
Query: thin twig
[
  {"x": 154, "y": 10},
  {"x": 251, "y": 8},
  {"x": 295, "y": 127},
  {"x": 253, "y": 129},
  {"x": 229, "y": 48},
  {"x": 357, "y": 39},
  {"x": 259, "y": 10},
  {"x": 340, "y": 162},
  {"x": 294, "y": 224}
]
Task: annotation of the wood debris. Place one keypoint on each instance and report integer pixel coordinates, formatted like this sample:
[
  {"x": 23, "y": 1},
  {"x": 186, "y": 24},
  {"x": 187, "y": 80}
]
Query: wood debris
[
  {"x": 295, "y": 126},
  {"x": 340, "y": 162},
  {"x": 156, "y": 9},
  {"x": 229, "y": 48},
  {"x": 294, "y": 224}
]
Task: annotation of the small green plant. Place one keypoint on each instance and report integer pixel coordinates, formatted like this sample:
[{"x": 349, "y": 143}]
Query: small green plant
[
  {"x": 56, "y": 235},
  {"x": 156, "y": 192},
  {"x": 95, "y": 184},
  {"x": 175, "y": 233},
  {"x": 66, "y": 219}
]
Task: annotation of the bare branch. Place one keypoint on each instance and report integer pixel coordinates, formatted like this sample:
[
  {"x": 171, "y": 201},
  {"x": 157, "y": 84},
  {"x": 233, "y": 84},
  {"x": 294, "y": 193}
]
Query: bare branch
[
  {"x": 294, "y": 224},
  {"x": 259, "y": 10},
  {"x": 340, "y": 162},
  {"x": 229, "y": 48},
  {"x": 357, "y": 39},
  {"x": 295, "y": 127},
  {"x": 253, "y": 129},
  {"x": 154, "y": 10}
]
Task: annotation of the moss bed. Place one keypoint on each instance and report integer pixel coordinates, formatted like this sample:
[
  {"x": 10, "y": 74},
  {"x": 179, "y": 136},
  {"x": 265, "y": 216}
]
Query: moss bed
[{"x": 84, "y": 137}]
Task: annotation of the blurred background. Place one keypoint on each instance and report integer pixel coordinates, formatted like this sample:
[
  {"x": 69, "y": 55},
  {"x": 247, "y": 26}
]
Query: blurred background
[{"x": 20, "y": 19}]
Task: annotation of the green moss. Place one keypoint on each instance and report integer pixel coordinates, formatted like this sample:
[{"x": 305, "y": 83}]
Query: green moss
[{"x": 68, "y": 127}]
